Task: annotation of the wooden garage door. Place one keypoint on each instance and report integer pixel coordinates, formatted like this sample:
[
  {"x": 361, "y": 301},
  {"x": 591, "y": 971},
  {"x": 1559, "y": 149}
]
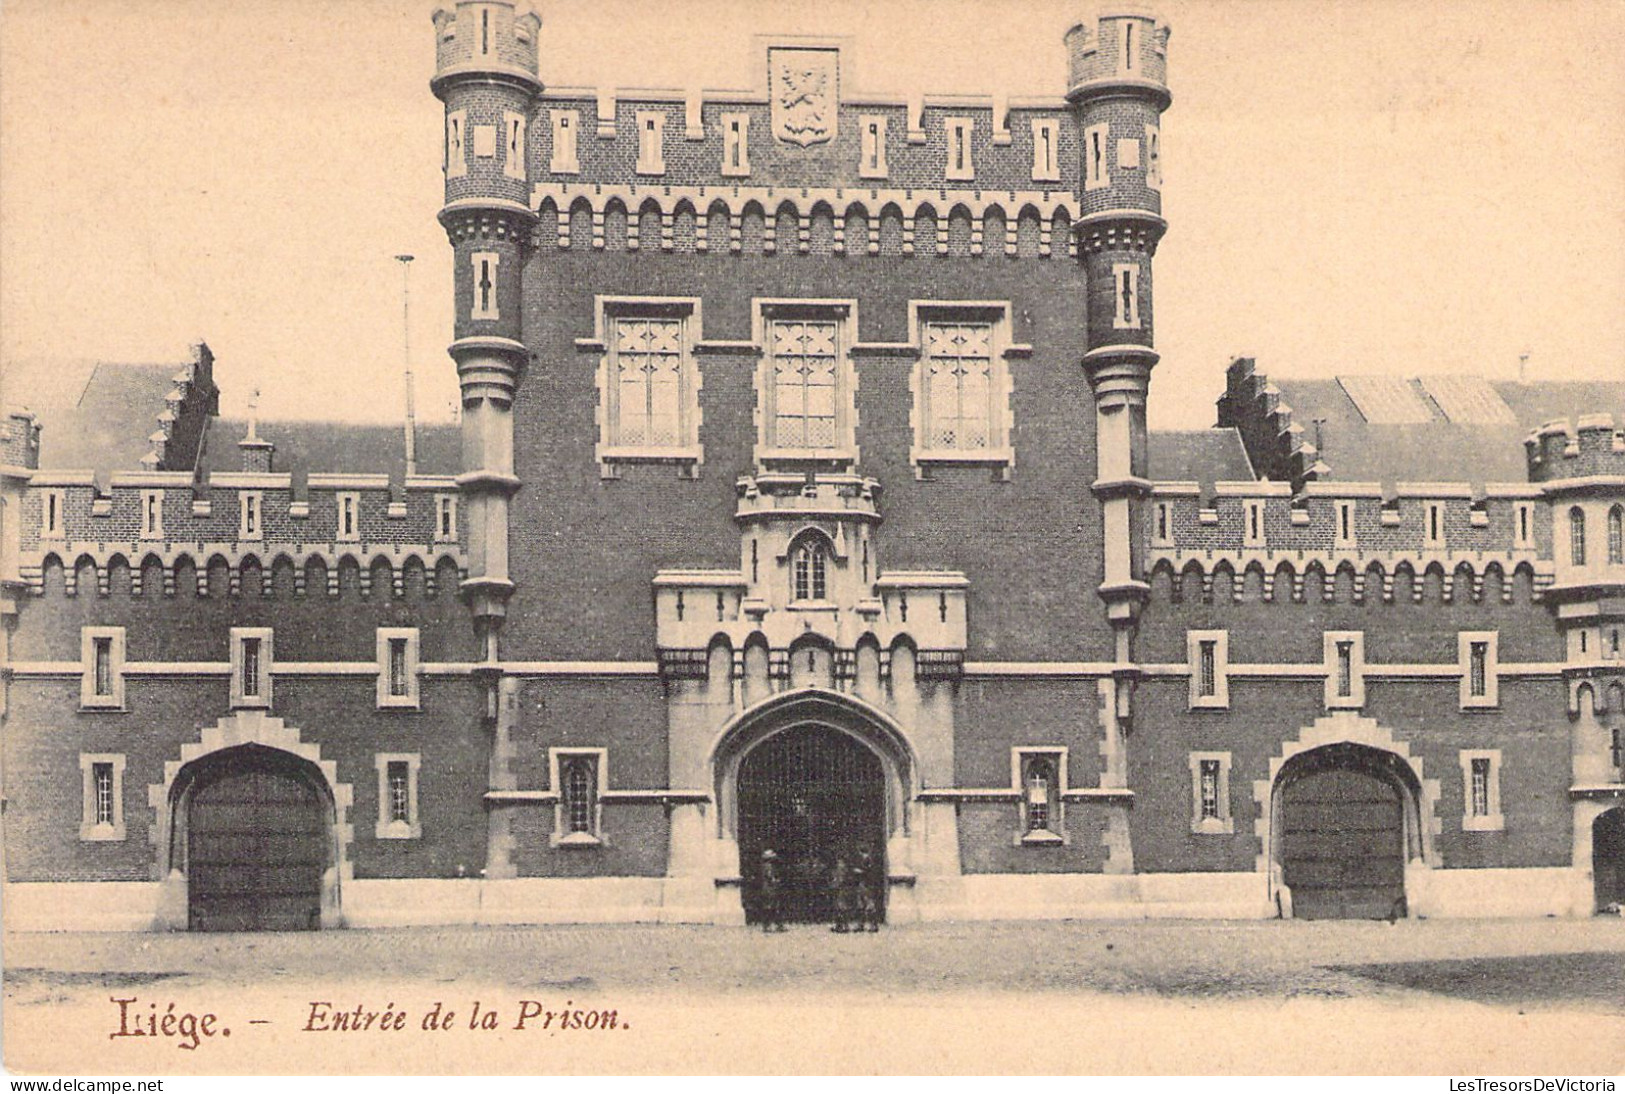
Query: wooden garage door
[
  {"x": 257, "y": 848},
  {"x": 1343, "y": 846}
]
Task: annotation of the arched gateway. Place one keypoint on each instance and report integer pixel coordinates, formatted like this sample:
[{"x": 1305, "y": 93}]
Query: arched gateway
[
  {"x": 818, "y": 778},
  {"x": 1608, "y": 858}
]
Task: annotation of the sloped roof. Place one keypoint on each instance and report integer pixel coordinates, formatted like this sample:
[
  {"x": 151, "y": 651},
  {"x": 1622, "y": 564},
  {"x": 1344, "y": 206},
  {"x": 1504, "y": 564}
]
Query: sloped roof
[
  {"x": 303, "y": 447},
  {"x": 1485, "y": 447},
  {"x": 1197, "y": 455},
  {"x": 108, "y": 426}
]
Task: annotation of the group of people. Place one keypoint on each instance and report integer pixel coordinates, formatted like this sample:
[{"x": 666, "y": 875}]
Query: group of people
[{"x": 853, "y": 886}]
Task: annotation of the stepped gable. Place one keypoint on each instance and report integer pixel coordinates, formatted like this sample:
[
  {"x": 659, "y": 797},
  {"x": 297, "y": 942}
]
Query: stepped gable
[
  {"x": 132, "y": 417},
  {"x": 1202, "y": 456},
  {"x": 1389, "y": 429}
]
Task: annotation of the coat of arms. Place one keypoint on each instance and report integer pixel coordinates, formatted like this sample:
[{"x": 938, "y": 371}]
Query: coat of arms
[{"x": 805, "y": 88}]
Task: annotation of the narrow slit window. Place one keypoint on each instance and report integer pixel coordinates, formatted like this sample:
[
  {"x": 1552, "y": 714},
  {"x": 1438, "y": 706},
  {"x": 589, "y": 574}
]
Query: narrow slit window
[
  {"x": 1345, "y": 669},
  {"x": 1046, "y": 153},
  {"x": 873, "y": 130},
  {"x": 103, "y": 648},
  {"x": 1207, "y": 655},
  {"x": 1095, "y": 175},
  {"x": 1128, "y": 46},
  {"x": 399, "y": 684},
  {"x": 1126, "y": 294},
  {"x": 1616, "y": 536},
  {"x": 250, "y": 681},
  {"x": 1344, "y": 513},
  {"x": 1162, "y": 520},
  {"x": 1478, "y": 671}
]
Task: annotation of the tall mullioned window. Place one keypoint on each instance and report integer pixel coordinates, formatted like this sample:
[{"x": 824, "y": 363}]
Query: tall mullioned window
[
  {"x": 580, "y": 791},
  {"x": 1209, "y": 790},
  {"x": 1577, "y": 536},
  {"x": 102, "y": 785},
  {"x": 1207, "y": 653},
  {"x": 1481, "y": 787},
  {"x": 103, "y": 651},
  {"x": 1616, "y": 536},
  {"x": 649, "y": 362},
  {"x": 806, "y": 383},
  {"x": 398, "y": 779},
  {"x": 958, "y": 385},
  {"x": 1478, "y": 669}
]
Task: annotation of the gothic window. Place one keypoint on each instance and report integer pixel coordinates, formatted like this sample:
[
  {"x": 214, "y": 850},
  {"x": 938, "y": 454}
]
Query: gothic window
[
  {"x": 578, "y": 777},
  {"x": 1040, "y": 776},
  {"x": 1577, "y": 536},
  {"x": 1481, "y": 791},
  {"x": 809, "y": 569},
  {"x": 650, "y": 383},
  {"x": 1616, "y": 536}
]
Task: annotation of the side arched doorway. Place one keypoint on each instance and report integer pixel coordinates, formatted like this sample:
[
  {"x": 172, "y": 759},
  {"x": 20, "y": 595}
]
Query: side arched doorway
[
  {"x": 816, "y": 797},
  {"x": 254, "y": 828},
  {"x": 1608, "y": 858},
  {"x": 1345, "y": 822}
]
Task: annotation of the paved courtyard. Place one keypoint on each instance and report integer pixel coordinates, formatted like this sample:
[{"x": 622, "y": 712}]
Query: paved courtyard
[{"x": 1464, "y": 997}]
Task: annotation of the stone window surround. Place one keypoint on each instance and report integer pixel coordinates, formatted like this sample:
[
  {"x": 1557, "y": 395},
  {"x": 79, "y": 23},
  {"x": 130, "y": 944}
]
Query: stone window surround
[
  {"x": 605, "y": 310},
  {"x": 89, "y": 830},
  {"x": 1220, "y": 699},
  {"x": 1054, "y": 830},
  {"x": 486, "y": 264},
  {"x": 513, "y": 145},
  {"x": 239, "y": 700},
  {"x": 1225, "y": 822},
  {"x": 412, "y": 827},
  {"x": 386, "y": 699},
  {"x": 1092, "y": 179},
  {"x": 1491, "y": 698},
  {"x": 441, "y": 502},
  {"x": 1355, "y": 699},
  {"x": 456, "y": 148},
  {"x": 1493, "y": 820},
  {"x": 88, "y": 699},
  {"x": 651, "y": 128},
  {"x": 844, "y": 313},
  {"x": 1046, "y": 170},
  {"x": 735, "y": 144},
  {"x": 960, "y": 166},
  {"x": 1001, "y": 423},
  {"x": 152, "y": 502},
  {"x": 250, "y": 504},
  {"x": 562, "y": 836},
  {"x": 566, "y": 125},
  {"x": 872, "y": 165}
]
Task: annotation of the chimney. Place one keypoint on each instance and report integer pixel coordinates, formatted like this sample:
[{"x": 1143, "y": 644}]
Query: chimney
[{"x": 257, "y": 454}]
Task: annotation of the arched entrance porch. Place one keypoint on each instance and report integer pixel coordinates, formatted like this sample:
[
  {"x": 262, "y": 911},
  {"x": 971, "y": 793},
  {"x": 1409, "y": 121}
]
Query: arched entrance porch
[
  {"x": 1347, "y": 823},
  {"x": 819, "y": 778},
  {"x": 251, "y": 831}
]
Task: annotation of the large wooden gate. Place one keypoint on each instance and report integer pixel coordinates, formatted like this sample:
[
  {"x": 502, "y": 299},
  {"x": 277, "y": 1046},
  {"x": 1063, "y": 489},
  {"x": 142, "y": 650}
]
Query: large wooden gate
[
  {"x": 1343, "y": 845},
  {"x": 257, "y": 837},
  {"x": 813, "y": 795}
]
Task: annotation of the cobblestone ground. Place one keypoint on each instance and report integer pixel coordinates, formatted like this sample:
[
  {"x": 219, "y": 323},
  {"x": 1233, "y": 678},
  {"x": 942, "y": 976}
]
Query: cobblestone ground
[{"x": 1470, "y": 997}]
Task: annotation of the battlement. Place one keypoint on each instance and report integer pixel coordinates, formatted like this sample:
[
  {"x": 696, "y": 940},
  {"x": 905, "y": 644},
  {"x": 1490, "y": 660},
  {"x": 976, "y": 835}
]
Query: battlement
[
  {"x": 1126, "y": 44},
  {"x": 19, "y": 439},
  {"x": 487, "y": 36},
  {"x": 1586, "y": 447},
  {"x": 169, "y": 513}
]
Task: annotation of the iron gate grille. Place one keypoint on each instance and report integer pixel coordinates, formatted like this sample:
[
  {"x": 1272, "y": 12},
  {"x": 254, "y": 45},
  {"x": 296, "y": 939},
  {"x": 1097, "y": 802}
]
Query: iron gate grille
[{"x": 812, "y": 795}]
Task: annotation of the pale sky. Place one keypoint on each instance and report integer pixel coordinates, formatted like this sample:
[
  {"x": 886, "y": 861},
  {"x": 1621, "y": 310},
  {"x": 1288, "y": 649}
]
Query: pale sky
[{"x": 1373, "y": 186}]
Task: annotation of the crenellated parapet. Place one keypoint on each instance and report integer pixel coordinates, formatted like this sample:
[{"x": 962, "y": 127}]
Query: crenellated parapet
[
  {"x": 19, "y": 439},
  {"x": 1589, "y": 446},
  {"x": 1333, "y": 527},
  {"x": 238, "y": 518}
]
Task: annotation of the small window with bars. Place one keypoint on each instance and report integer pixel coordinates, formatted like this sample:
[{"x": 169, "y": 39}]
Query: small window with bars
[
  {"x": 397, "y": 653},
  {"x": 1207, "y": 684},
  {"x": 399, "y": 680},
  {"x": 102, "y": 816},
  {"x": 102, "y": 787},
  {"x": 250, "y": 665},
  {"x": 250, "y": 668},
  {"x": 1345, "y": 669},
  {"x": 1478, "y": 669},
  {"x": 399, "y": 777},
  {"x": 1481, "y": 787},
  {"x": 103, "y": 651},
  {"x": 398, "y": 795},
  {"x": 1577, "y": 536},
  {"x": 1210, "y": 793},
  {"x": 579, "y": 777},
  {"x": 1481, "y": 791}
]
